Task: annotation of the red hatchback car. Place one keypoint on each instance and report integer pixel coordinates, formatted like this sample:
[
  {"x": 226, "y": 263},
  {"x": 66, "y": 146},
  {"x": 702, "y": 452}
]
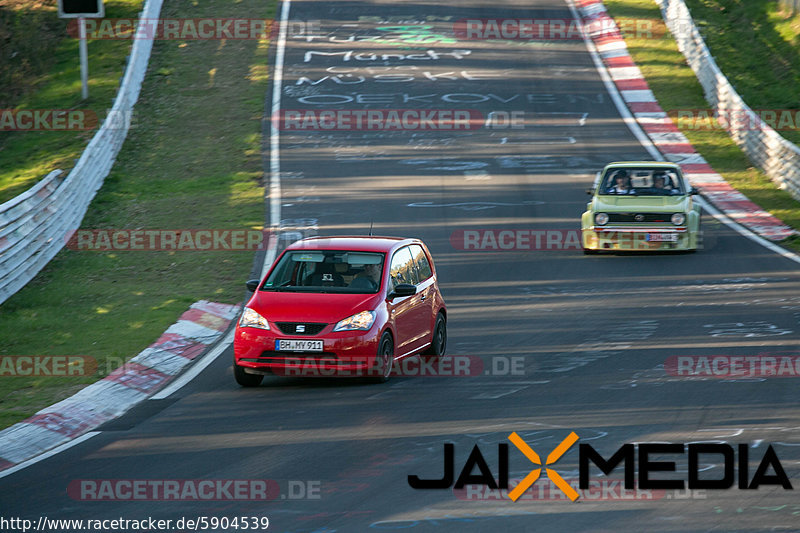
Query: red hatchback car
[{"x": 341, "y": 306}]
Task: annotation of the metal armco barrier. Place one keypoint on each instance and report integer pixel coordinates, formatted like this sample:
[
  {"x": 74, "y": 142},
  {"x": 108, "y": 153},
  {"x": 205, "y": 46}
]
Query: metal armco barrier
[
  {"x": 34, "y": 226},
  {"x": 792, "y": 5},
  {"x": 766, "y": 148}
]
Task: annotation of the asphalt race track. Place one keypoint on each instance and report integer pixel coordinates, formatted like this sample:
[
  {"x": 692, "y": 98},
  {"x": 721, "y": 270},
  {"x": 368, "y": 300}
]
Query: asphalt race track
[{"x": 568, "y": 342}]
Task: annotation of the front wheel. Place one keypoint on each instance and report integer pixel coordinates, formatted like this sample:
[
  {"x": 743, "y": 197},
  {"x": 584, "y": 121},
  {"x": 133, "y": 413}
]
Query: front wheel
[
  {"x": 384, "y": 358},
  {"x": 244, "y": 379},
  {"x": 439, "y": 339}
]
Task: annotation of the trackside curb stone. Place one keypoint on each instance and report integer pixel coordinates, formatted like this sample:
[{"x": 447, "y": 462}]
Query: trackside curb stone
[{"x": 138, "y": 379}]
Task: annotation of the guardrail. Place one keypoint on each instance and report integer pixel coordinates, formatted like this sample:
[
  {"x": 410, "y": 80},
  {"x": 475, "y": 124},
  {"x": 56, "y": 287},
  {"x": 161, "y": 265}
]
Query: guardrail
[
  {"x": 766, "y": 148},
  {"x": 792, "y": 5},
  {"x": 35, "y": 225}
]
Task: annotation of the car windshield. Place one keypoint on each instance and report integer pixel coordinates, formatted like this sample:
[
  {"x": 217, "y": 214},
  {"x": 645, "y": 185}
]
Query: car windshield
[
  {"x": 327, "y": 271},
  {"x": 642, "y": 182}
]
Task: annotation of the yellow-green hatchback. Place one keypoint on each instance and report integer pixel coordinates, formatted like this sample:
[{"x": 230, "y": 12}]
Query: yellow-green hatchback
[{"x": 641, "y": 206}]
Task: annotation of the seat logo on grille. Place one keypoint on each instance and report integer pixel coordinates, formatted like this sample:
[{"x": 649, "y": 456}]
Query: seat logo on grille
[
  {"x": 300, "y": 328},
  {"x": 639, "y": 218}
]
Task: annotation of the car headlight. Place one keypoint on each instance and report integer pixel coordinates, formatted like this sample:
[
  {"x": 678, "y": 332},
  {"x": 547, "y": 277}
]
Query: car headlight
[
  {"x": 678, "y": 219},
  {"x": 362, "y": 320},
  {"x": 251, "y": 319},
  {"x": 601, "y": 219}
]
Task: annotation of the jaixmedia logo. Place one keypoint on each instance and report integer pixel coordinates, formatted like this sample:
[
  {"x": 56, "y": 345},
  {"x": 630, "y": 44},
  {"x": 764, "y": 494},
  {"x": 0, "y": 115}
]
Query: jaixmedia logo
[{"x": 769, "y": 470}]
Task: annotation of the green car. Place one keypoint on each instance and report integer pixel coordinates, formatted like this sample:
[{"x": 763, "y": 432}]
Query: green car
[{"x": 642, "y": 206}]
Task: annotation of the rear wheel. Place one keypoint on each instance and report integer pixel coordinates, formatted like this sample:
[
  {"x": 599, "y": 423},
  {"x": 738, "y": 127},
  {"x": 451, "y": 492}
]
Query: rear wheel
[
  {"x": 439, "y": 339},
  {"x": 244, "y": 379},
  {"x": 384, "y": 358}
]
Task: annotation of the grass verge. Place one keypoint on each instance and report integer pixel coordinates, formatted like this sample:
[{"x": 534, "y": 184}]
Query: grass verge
[
  {"x": 676, "y": 88},
  {"x": 192, "y": 161},
  {"x": 41, "y": 70}
]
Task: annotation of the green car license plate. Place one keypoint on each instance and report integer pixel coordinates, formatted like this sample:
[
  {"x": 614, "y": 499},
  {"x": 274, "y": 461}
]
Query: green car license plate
[{"x": 662, "y": 237}]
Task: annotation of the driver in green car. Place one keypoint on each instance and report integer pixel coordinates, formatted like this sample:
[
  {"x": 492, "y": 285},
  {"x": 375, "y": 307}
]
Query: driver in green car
[{"x": 622, "y": 184}]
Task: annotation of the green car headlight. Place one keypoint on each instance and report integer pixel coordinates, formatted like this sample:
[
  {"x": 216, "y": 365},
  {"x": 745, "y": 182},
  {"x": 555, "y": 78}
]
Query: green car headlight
[
  {"x": 678, "y": 219},
  {"x": 601, "y": 219},
  {"x": 251, "y": 319}
]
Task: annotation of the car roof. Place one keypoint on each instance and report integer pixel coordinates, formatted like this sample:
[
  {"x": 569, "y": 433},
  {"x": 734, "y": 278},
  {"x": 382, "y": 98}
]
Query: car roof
[
  {"x": 358, "y": 243},
  {"x": 644, "y": 164}
]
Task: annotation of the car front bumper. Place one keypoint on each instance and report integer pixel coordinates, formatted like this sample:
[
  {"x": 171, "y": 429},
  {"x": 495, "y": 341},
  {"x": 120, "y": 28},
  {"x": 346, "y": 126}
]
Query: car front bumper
[
  {"x": 653, "y": 238},
  {"x": 344, "y": 353}
]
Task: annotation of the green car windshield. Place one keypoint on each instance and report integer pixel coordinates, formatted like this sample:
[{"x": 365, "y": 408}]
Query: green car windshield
[
  {"x": 642, "y": 182},
  {"x": 327, "y": 271}
]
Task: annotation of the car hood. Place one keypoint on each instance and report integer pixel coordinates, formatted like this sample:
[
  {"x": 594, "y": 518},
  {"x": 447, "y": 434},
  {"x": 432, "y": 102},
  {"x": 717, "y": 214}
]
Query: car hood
[
  {"x": 643, "y": 204},
  {"x": 311, "y": 307}
]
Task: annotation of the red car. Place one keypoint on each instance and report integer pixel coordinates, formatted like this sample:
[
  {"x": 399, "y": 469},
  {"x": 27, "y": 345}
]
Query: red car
[{"x": 341, "y": 306}]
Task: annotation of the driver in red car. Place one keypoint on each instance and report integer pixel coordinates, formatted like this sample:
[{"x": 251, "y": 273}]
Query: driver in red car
[{"x": 369, "y": 278}]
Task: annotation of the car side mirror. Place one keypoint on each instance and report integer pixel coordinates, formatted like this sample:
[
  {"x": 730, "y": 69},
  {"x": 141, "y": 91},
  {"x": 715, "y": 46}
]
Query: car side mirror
[
  {"x": 403, "y": 289},
  {"x": 252, "y": 284},
  {"x": 693, "y": 191},
  {"x": 590, "y": 191}
]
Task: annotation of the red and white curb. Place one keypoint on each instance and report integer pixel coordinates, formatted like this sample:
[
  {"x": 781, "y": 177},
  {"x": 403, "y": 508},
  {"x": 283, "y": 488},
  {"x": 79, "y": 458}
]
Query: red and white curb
[
  {"x": 112, "y": 396},
  {"x": 632, "y": 86}
]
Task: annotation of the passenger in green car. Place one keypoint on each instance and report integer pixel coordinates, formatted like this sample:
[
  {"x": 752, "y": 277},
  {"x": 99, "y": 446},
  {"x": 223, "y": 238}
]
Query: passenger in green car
[{"x": 660, "y": 187}]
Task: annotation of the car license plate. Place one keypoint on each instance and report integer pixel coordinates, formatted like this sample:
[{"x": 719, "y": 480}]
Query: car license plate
[
  {"x": 662, "y": 237},
  {"x": 294, "y": 345}
]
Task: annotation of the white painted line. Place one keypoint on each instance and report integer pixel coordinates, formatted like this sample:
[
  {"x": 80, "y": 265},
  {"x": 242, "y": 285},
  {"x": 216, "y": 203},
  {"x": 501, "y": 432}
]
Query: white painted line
[
  {"x": 45, "y": 455},
  {"x": 274, "y": 142},
  {"x": 274, "y": 207},
  {"x": 195, "y": 369},
  {"x": 496, "y": 395},
  {"x": 629, "y": 72}
]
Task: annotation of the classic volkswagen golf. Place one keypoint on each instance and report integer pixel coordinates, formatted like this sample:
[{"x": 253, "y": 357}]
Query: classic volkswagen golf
[{"x": 644, "y": 205}]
